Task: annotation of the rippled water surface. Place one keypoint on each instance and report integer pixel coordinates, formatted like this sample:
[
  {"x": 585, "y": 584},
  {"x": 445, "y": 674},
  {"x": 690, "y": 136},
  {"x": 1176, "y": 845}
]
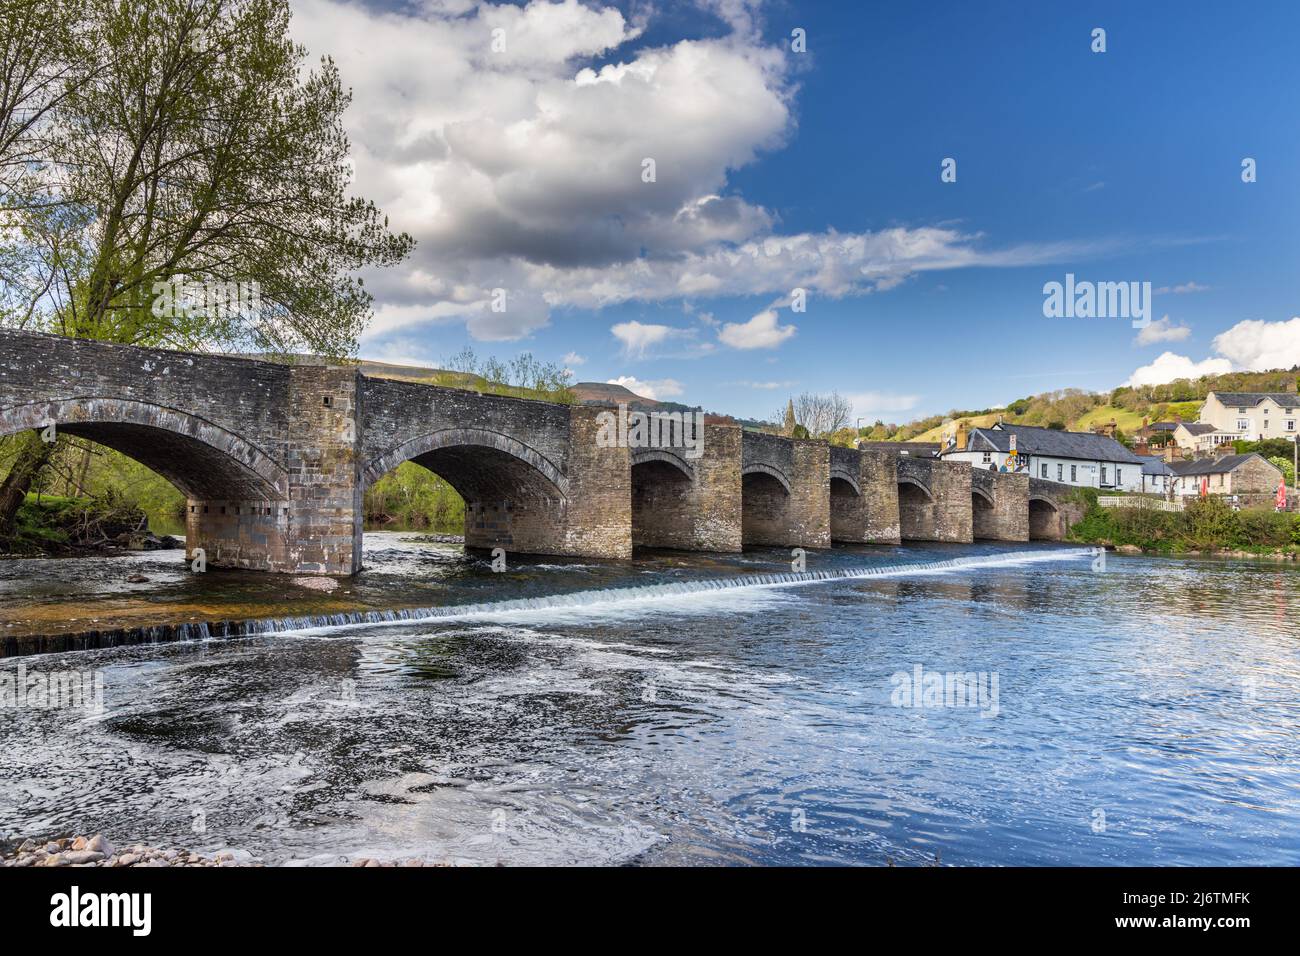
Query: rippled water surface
[{"x": 1148, "y": 714}]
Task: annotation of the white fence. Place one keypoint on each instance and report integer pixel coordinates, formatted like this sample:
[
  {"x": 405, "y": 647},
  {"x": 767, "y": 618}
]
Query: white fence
[{"x": 1136, "y": 501}]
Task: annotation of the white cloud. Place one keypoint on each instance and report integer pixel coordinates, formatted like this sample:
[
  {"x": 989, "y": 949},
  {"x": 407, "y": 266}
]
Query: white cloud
[
  {"x": 573, "y": 359},
  {"x": 1169, "y": 366},
  {"x": 1255, "y": 345},
  {"x": 1250, "y": 346},
  {"x": 880, "y": 405},
  {"x": 658, "y": 390},
  {"x": 763, "y": 331},
  {"x": 1162, "y": 330},
  {"x": 522, "y": 169},
  {"x": 639, "y": 337},
  {"x": 1182, "y": 289}
]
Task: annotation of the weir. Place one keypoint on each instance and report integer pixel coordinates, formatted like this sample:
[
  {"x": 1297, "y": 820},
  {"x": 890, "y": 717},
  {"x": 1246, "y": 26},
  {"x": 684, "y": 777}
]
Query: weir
[
  {"x": 606, "y": 598},
  {"x": 274, "y": 460}
]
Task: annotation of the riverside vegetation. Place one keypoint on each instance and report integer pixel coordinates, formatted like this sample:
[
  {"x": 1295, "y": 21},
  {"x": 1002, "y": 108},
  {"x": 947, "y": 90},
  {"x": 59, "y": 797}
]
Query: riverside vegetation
[{"x": 1206, "y": 526}]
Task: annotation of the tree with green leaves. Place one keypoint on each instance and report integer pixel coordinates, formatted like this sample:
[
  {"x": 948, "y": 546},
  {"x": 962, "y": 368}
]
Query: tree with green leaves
[{"x": 180, "y": 141}]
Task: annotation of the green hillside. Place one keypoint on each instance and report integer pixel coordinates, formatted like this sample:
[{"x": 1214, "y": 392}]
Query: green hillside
[{"x": 1077, "y": 410}]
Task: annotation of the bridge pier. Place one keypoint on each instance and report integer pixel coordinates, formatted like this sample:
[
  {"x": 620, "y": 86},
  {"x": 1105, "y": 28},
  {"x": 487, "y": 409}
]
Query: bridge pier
[
  {"x": 864, "y": 496},
  {"x": 934, "y": 500},
  {"x": 784, "y": 492},
  {"x": 999, "y": 505},
  {"x": 689, "y": 504},
  {"x": 316, "y": 529}
]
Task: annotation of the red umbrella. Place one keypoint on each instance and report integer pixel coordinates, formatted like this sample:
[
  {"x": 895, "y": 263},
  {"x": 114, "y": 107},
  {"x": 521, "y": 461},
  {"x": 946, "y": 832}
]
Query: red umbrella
[
  {"x": 1205, "y": 487},
  {"x": 1281, "y": 495}
]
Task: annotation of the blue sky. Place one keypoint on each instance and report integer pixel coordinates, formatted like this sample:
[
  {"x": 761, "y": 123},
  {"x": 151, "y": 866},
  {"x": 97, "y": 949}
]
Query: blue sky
[{"x": 1115, "y": 166}]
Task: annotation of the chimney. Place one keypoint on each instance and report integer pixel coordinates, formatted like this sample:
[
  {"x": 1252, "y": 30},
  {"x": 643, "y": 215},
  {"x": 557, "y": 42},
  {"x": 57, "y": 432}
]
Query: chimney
[
  {"x": 963, "y": 435},
  {"x": 1141, "y": 447}
]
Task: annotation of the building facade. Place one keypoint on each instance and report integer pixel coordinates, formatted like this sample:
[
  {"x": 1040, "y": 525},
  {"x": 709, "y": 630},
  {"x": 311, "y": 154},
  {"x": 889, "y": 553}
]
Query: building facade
[
  {"x": 1073, "y": 458},
  {"x": 1252, "y": 476},
  {"x": 1201, "y": 437},
  {"x": 1252, "y": 416}
]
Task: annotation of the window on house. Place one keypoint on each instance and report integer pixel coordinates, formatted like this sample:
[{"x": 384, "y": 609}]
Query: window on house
[
  {"x": 1241, "y": 411},
  {"x": 1243, "y": 424},
  {"x": 1060, "y": 472},
  {"x": 1119, "y": 476},
  {"x": 1074, "y": 472},
  {"x": 1103, "y": 474},
  {"x": 1290, "y": 424},
  {"x": 988, "y": 457},
  {"x": 1044, "y": 469}
]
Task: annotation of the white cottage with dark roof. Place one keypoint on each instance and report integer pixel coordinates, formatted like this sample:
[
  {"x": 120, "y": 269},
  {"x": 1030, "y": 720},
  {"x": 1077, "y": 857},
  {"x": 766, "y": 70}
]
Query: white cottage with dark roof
[{"x": 1073, "y": 458}]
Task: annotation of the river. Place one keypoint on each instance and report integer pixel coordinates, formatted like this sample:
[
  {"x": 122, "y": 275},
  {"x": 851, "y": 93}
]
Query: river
[{"x": 1146, "y": 714}]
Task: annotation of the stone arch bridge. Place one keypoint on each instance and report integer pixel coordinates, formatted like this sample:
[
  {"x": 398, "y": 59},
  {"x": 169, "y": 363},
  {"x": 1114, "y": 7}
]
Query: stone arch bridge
[{"x": 274, "y": 460}]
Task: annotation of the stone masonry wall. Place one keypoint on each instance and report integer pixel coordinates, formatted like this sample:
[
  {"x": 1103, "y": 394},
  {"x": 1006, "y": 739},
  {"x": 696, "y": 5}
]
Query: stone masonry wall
[
  {"x": 701, "y": 512},
  {"x": 879, "y": 482},
  {"x": 950, "y": 484},
  {"x": 1007, "y": 518},
  {"x": 847, "y": 506},
  {"x": 599, "y": 516}
]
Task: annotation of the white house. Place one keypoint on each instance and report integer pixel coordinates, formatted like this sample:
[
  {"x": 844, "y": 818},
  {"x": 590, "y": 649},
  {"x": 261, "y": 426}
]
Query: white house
[
  {"x": 1157, "y": 477},
  {"x": 1252, "y": 416},
  {"x": 1201, "y": 436},
  {"x": 1072, "y": 458}
]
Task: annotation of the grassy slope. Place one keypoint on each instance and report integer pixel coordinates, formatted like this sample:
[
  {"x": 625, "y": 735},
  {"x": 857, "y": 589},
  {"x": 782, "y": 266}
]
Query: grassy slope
[{"x": 1128, "y": 421}]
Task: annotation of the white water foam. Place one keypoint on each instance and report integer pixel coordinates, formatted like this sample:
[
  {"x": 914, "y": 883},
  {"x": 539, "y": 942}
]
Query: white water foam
[{"x": 606, "y": 600}]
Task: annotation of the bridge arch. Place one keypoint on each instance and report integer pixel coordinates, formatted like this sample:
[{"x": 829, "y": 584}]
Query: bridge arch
[
  {"x": 759, "y": 468},
  {"x": 515, "y": 497},
  {"x": 642, "y": 456},
  {"x": 916, "y": 519},
  {"x": 663, "y": 502},
  {"x": 1044, "y": 519},
  {"x": 202, "y": 459},
  {"x": 848, "y": 478},
  {"x": 765, "y": 502},
  {"x": 452, "y": 449},
  {"x": 983, "y": 516}
]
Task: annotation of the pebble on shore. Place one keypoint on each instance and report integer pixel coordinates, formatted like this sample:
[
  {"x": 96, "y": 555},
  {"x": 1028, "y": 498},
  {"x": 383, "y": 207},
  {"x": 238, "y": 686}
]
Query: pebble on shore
[{"x": 97, "y": 851}]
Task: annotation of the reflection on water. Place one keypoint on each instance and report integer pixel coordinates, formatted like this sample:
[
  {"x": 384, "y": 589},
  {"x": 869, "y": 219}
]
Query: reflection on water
[{"x": 1147, "y": 715}]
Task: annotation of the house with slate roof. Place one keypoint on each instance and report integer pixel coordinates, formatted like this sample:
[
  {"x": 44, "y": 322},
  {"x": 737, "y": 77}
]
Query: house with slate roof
[
  {"x": 1157, "y": 476},
  {"x": 1242, "y": 475},
  {"x": 1073, "y": 458},
  {"x": 1252, "y": 416},
  {"x": 1201, "y": 437}
]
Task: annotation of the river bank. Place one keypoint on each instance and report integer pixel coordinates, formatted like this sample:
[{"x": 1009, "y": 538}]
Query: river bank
[
  {"x": 1207, "y": 527},
  {"x": 97, "y": 851},
  {"x": 54, "y": 526}
]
